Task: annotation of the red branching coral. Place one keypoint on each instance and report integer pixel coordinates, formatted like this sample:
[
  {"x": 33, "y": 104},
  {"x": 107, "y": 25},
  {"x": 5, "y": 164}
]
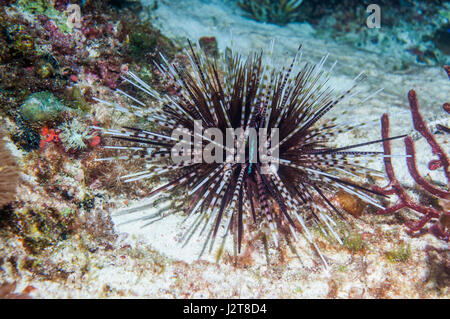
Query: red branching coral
[
  {"x": 440, "y": 229},
  {"x": 443, "y": 161},
  {"x": 447, "y": 69}
]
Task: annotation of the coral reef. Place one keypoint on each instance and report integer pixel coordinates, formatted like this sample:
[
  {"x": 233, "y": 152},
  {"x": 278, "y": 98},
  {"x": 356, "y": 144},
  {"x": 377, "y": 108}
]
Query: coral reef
[
  {"x": 441, "y": 226},
  {"x": 52, "y": 70},
  {"x": 40, "y": 53},
  {"x": 54, "y": 63},
  {"x": 54, "y": 209}
]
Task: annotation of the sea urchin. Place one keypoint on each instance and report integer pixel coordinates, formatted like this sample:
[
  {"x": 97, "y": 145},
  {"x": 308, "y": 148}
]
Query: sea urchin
[{"x": 283, "y": 180}]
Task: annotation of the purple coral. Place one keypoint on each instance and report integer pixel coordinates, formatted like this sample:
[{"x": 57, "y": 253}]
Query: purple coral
[{"x": 441, "y": 228}]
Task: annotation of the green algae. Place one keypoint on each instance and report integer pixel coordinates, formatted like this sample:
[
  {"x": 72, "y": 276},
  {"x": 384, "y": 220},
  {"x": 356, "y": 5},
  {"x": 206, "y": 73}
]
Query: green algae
[
  {"x": 342, "y": 268},
  {"x": 354, "y": 242},
  {"x": 298, "y": 290},
  {"x": 44, "y": 7},
  {"x": 41, "y": 107},
  {"x": 400, "y": 253}
]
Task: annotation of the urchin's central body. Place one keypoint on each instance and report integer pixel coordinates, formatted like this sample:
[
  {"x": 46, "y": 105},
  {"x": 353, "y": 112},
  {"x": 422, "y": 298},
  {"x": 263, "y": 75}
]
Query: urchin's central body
[{"x": 288, "y": 169}]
